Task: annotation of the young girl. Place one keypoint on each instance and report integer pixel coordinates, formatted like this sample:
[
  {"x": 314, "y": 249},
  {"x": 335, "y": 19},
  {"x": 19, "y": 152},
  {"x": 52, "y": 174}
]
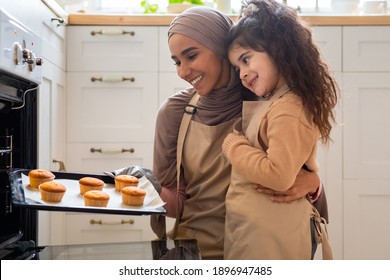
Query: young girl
[{"x": 272, "y": 50}]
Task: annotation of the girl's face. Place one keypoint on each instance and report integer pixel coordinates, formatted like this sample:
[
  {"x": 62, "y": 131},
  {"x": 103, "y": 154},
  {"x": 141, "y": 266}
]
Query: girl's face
[
  {"x": 257, "y": 70},
  {"x": 198, "y": 65}
]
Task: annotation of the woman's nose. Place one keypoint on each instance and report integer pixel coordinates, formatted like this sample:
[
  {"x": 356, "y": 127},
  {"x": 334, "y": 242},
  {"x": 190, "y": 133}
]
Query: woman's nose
[{"x": 183, "y": 71}]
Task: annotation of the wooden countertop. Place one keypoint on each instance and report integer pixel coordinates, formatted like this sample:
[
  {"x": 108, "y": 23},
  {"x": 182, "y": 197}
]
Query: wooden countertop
[{"x": 158, "y": 20}]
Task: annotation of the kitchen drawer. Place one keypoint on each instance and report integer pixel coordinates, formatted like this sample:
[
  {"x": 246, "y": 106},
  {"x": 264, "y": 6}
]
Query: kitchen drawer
[
  {"x": 112, "y": 48},
  {"x": 99, "y": 157},
  {"x": 113, "y": 110},
  {"x": 103, "y": 228},
  {"x": 366, "y": 48}
]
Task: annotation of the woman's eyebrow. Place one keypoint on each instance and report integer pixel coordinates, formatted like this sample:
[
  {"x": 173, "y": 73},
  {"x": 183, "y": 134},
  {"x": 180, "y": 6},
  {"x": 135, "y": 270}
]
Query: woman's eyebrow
[{"x": 184, "y": 52}]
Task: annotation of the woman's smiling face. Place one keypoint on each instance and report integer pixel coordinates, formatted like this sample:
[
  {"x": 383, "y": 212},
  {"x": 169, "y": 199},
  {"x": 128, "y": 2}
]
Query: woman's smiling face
[{"x": 198, "y": 65}]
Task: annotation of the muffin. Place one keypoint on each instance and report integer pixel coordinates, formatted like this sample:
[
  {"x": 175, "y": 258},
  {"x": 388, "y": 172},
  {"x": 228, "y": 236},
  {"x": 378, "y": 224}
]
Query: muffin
[
  {"x": 96, "y": 198},
  {"x": 39, "y": 176},
  {"x": 122, "y": 181},
  {"x": 52, "y": 191},
  {"x": 133, "y": 196},
  {"x": 90, "y": 184}
]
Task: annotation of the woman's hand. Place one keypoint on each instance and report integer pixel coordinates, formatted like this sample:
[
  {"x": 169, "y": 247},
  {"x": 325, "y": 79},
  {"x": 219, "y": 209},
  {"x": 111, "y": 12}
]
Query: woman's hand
[{"x": 306, "y": 183}]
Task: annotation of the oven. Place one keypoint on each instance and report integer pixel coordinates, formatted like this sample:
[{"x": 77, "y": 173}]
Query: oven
[{"x": 20, "y": 76}]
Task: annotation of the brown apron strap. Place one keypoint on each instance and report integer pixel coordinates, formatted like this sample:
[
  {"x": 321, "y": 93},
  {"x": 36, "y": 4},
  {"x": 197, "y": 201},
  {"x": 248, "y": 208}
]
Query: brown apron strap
[{"x": 185, "y": 122}]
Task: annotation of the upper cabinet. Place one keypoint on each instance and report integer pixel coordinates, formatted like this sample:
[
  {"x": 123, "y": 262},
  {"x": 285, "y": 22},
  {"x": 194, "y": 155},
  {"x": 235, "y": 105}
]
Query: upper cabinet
[
  {"x": 366, "y": 49},
  {"x": 329, "y": 39}
]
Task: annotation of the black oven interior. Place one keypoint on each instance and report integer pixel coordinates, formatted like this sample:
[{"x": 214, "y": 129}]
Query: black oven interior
[{"x": 18, "y": 149}]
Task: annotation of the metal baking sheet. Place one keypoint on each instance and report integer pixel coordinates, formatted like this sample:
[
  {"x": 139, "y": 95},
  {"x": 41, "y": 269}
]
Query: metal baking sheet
[{"x": 23, "y": 195}]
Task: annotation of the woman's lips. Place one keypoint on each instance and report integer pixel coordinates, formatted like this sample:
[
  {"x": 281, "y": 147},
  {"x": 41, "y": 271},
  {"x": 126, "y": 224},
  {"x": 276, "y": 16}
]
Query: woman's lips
[{"x": 196, "y": 80}]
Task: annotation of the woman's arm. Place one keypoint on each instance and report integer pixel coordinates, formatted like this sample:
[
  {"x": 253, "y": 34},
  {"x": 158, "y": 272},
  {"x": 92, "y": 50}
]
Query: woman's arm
[
  {"x": 306, "y": 183},
  {"x": 169, "y": 196}
]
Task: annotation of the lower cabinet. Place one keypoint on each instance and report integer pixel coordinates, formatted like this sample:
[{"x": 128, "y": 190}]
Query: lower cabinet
[
  {"x": 366, "y": 160},
  {"x": 101, "y": 228}
]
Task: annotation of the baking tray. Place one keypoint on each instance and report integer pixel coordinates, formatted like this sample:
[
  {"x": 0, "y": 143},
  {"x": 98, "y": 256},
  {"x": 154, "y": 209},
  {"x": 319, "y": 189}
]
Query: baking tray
[{"x": 24, "y": 195}]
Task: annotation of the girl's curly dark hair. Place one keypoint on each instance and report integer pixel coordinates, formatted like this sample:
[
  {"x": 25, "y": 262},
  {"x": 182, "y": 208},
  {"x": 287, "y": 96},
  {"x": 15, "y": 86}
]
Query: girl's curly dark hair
[{"x": 275, "y": 28}]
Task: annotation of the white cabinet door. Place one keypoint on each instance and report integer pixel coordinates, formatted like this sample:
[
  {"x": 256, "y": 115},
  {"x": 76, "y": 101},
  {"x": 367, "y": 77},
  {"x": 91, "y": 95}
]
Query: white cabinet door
[
  {"x": 112, "y": 48},
  {"x": 366, "y": 49},
  {"x": 106, "y": 111},
  {"x": 329, "y": 39},
  {"x": 53, "y": 37},
  {"x": 366, "y": 134},
  {"x": 52, "y": 127},
  {"x": 366, "y": 219},
  {"x": 366, "y": 126},
  {"x": 51, "y": 117},
  {"x": 330, "y": 159}
]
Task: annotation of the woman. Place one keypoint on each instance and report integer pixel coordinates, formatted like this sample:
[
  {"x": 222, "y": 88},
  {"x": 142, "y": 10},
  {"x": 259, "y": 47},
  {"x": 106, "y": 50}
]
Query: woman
[{"x": 196, "y": 40}]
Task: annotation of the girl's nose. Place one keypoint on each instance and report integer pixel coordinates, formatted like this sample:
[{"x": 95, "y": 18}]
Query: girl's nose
[{"x": 243, "y": 75}]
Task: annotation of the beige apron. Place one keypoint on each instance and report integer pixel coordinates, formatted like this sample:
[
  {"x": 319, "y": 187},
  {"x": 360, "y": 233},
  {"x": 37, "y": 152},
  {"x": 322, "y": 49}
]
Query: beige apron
[
  {"x": 207, "y": 175},
  {"x": 256, "y": 227}
]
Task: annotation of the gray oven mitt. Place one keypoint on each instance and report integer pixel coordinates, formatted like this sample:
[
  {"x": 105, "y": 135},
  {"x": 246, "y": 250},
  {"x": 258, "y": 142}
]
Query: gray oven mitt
[{"x": 138, "y": 172}]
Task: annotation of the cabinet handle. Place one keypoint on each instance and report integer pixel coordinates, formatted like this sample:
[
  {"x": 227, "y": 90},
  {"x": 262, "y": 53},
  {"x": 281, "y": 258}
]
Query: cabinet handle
[
  {"x": 112, "y": 32},
  {"x": 111, "y": 150},
  {"x": 61, "y": 164},
  {"x": 60, "y": 21},
  {"x": 112, "y": 80},
  {"x": 111, "y": 223}
]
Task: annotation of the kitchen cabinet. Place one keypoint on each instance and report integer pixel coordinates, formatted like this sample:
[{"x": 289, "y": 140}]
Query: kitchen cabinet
[
  {"x": 112, "y": 102},
  {"x": 51, "y": 116},
  {"x": 329, "y": 39},
  {"x": 366, "y": 129},
  {"x": 112, "y": 96}
]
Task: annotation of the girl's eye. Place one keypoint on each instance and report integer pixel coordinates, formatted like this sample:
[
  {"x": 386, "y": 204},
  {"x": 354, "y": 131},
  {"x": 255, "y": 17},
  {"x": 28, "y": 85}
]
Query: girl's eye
[
  {"x": 245, "y": 60},
  {"x": 177, "y": 63}
]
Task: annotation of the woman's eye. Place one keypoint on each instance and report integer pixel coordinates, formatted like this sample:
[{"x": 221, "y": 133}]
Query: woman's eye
[
  {"x": 192, "y": 56},
  {"x": 177, "y": 63},
  {"x": 245, "y": 60}
]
